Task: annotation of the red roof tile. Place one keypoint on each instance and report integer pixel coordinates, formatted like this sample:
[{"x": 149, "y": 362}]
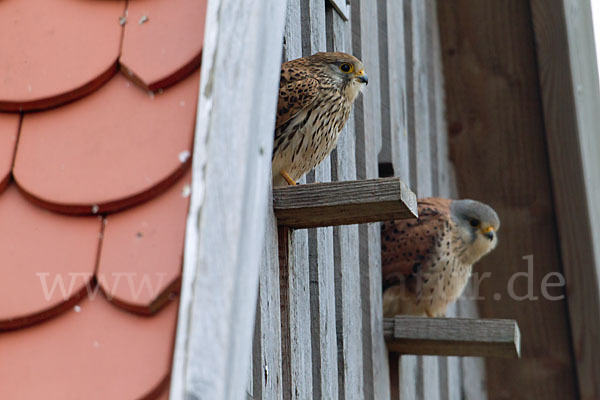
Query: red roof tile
[
  {"x": 142, "y": 251},
  {"x": 9, "y": 129},
  {"x": 100, "y": 145},
  {"x": 109, "y": 150},
  {"x": 162, "y": 41},
  {"x": 92, "y": 351},
  {"x": 51, "y": 55},
  {"x": 46, "y": 259}
]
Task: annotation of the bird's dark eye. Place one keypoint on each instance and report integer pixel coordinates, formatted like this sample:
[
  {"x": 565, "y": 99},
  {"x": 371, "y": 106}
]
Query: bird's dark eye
[
  {"x": 474, "y": 222},
  {"x": 346, "y": 68}
]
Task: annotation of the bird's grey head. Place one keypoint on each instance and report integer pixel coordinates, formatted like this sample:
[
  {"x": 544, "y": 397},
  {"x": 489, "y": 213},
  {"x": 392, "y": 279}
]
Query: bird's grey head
[
  {"x": 346, "y": 71},
  {"x": 477, "y": 224}
]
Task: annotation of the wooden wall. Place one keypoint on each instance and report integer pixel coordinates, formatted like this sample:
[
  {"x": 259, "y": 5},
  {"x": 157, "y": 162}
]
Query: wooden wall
[
  {"x": 318, "y": 330},
  {"x": 498, "y": 145}
]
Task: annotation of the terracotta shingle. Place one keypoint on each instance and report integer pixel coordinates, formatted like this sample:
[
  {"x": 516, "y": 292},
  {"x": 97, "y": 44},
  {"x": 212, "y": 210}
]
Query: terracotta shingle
[
  {"x": 55, "y": 54},
  {"x": 142, "y": 250},
  {"x": 46, "y": 259},
  {"x": 109, "y": 150},
  {"x": 92, "y": 351},
  {"x": 162, "y": 42},
  {"x": 9, "y": 129},
  {"x": 94, "y": 192}
]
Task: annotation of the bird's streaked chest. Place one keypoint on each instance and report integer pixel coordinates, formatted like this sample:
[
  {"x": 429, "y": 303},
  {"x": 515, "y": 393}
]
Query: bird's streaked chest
[{"x": 311, "y": 135}]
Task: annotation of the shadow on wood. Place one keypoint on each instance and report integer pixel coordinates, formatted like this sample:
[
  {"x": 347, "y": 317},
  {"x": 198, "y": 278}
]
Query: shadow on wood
[
  {"x": 343, "y": 203},
  {"x": 453, "y": 336}
]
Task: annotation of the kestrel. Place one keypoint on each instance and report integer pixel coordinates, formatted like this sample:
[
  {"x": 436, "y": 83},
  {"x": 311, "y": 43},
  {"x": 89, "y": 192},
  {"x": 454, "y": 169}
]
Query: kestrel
[
  {"x": 426, "y": 262},
  {"x": 315, "y": 97}
]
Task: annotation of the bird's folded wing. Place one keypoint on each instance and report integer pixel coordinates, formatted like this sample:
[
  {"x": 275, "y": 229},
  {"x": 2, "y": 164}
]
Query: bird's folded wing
[
  {"x": 409, "y": 246},
  {"x": 297, "y": 90}
]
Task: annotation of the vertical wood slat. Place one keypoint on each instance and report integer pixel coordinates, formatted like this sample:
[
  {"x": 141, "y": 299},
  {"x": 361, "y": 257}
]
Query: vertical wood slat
[
  {"x": 472, "y": 368},
  {"x": 448, "y": 367},
  {"x": 421, "y": 136},
  {"x": 385, "y": 154},
  {"x": 427, "y": 386},
  {"x": 322, "y": 278},
  {"x": 419, "y": 91},
  {"x": 222, "y": 255},
  {"x": 568, "y": 71},
  {"x": 295, "y": 287},
  {"x": 433, "y": 96},
  {"x": 450, "y": 371},
  {"x": 396, "y": 56},
  {"x": 266, "y": 363},
  {"x": 399, "y": 55},
  {"x": 426, "y": 149},
  {"x": 368, "y": 133},
  {"x": 346, "y": 243},
  {"x": 403, "y": 369},
  {"x": 444, "y": 166}
]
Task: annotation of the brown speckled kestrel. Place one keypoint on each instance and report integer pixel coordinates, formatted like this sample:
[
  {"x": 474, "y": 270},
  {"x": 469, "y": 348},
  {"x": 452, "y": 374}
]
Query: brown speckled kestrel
[
  {"x": 426, "y": 262},
  {"x": 315, "y": 97}
]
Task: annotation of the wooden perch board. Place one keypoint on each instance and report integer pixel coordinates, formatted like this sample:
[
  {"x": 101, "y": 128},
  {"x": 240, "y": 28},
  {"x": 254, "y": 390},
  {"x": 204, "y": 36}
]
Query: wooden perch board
[
  {"x": 453, "y": 336},
  {"x": 343, "y": 203}
]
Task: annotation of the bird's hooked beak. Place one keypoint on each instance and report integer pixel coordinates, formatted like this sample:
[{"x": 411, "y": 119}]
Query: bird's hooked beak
[
  {"x": 488, "y": 232},
  {"x": 362, "y": 77}
]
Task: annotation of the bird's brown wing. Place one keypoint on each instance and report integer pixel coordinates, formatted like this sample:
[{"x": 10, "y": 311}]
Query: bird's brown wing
[
  {"x": 297, "y": 90},
  {"x": 409, "y": 245}
]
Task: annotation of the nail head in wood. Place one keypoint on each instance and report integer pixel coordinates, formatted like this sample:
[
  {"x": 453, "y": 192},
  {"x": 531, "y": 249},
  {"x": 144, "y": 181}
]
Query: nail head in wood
[
  {"x": 453, "y": 336},
  {"x": 343, "y": 203}
]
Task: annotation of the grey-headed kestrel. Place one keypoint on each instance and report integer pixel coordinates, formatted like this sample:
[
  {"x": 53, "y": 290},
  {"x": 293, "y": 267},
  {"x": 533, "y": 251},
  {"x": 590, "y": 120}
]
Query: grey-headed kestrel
[
  {"x": 426, "y": 262},
  {"x": 315, "y": 97}
]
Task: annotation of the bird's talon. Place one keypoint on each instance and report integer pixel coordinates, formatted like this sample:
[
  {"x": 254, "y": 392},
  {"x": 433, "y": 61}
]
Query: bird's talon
[{"x": 287, "y": 177}]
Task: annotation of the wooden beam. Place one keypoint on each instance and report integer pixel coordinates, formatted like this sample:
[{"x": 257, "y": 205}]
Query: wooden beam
[
  {"x": 343, "y": 203},
  {"x": 226, "y": 223},
  {"x": 342, "y": 7},
  {"x": 564, "y": 35},
  {"x": 453, "y": 336}
]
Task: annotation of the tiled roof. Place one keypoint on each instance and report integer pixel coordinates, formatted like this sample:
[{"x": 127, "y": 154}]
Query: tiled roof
[{"x": 94, "y": 190}]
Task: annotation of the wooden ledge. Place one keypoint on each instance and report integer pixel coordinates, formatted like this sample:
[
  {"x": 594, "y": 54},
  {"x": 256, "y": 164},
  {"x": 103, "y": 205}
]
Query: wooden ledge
[
  {"x": 343, "y": 203},
  {"x": 453, "y": 336}
]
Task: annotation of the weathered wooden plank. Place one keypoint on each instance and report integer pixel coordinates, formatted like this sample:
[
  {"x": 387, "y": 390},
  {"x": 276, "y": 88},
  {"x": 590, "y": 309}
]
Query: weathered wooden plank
[
  {"x": 498, "y": 145},
  {"x": 451, "y": 379},
  {"x": 346, "y": 242},
  {"x": 450, "y": 371},
  {"x": 472, "y": 369},
  {"x": 567, "y": 67},
  {"x": 342, "y": 8},
  {"x": 448, "y": 368},
  {"x": 226, "y": 224},
  {"x": 267, "y": 341},
  {"x": 419, "y": 140},
  {"x": 384, "y": 158},
  {"x": 343, "y": 203},
  {"x": 295, "y": 288},
  {"x": 418, "y": 89},
  {"x": 454, "y": 385},
  {"x": 434, "y": 98},
  {"x": 453, "y": 336},
  {"x": 444, "y": 167},
  {"x": 399, "y": 36},
  {"x": 322, "y": 279},
  {"x": 255, "y": 351},
  {"x": 368, "y": 133},
  {"x": 396, "y": 54}
]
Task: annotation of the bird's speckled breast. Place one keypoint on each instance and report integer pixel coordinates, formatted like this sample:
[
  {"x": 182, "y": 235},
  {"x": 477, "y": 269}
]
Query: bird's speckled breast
[{"x": 307, "y": 139}]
